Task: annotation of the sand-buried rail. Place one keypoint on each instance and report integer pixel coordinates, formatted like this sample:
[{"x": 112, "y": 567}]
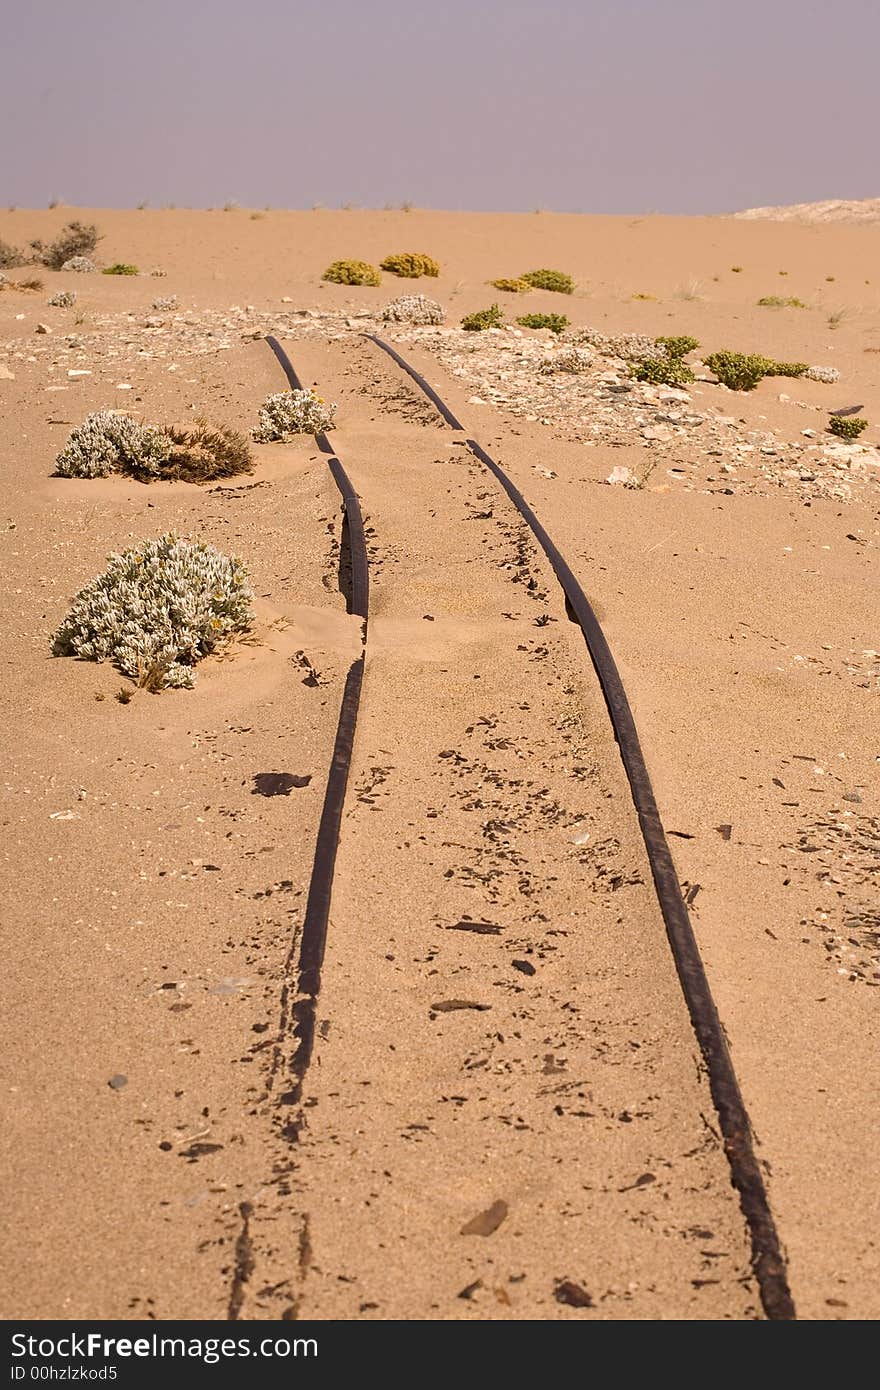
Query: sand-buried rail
[
  {"x": 767, "y": 1258},
  {"x": 317, "y": 914}
]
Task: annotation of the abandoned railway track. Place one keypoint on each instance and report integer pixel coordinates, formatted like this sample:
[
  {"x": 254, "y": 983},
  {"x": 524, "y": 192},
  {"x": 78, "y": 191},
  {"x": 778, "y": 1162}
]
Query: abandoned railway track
[{"x": 767, "y": 1260}]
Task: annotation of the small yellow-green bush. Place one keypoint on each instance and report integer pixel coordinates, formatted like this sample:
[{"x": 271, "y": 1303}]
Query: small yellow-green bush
[
  {"x": 555, "y": 280},
  {"x": 511, "y": 286},
  {"x": 351, "y": 273},
  {"x": 557, "y": 323},
  {"x": 662, "y": 371},
  {"x": 483, "y": 319},
  {"x": 739, "y": 371},
  {"x": 410, "y": 264},
  {"x": 680, "y": 346},
  {"x": 787, "y": 368},
  {"x": 120, "y": 268},
  {"x": 847, "y": 426},
  {"x": 775, "y": 301}
]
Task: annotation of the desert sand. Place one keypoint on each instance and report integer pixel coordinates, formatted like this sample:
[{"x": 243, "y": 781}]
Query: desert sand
[{"x": 480, "y": 1162}]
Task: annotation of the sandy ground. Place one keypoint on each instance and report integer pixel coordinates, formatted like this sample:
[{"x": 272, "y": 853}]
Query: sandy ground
[{"x": 464, "y": 1163}]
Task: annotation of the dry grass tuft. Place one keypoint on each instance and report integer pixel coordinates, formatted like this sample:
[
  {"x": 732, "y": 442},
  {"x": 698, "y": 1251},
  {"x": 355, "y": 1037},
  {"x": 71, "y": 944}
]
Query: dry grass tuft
[{"x": 203, "y": 452}]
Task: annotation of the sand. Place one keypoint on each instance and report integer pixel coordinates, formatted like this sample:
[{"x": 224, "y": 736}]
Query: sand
[{"x": 467, "y": 1163}]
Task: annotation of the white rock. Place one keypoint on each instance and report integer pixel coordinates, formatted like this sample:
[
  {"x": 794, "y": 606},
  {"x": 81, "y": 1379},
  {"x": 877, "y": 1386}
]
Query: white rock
[
  {"x": 78, "y": 371},
  {"x": 5, "y": 373},
  {"x": 619, "y": 475},
  {"x": 42, "y": 328}
]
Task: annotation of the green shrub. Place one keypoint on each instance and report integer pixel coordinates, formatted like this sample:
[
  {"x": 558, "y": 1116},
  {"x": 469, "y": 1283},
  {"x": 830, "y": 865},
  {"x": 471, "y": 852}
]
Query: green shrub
[
  {"x": 351, "y": 273},
  {"x": 787, "y": 368},
  {"x": 775, "y": 301},
  {"x": 156, "y": 610},
  {"x": 662, "y": 371},
  {"x": 555, "y": 280},
  {"x": 77, "y": 239},
  {"x": 120, "y": 268},
  {"x": 410, "y": 264},
  {"x": 557, "y": 323},
  {"x": 680, "y": 346},
  {"x": 847, "y": 426},
  {"x": 11, "y": 257},
  {"x": 739, "y": 370},
  {"x": 482, "y": 319},
  {"x": 293, "y": 412},
  {"x": 511, "y": 286}
]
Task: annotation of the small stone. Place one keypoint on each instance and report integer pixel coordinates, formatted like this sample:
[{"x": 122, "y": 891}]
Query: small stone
[
  {"x": 486, "y": 1222},
  {"x": 78, "y": 371},
  {"x": 117, "y": 1082},
  {"x": 5, "y": 373},
  {"x": 572, "y": 1294},
  {"x": 42, "y": 328}
]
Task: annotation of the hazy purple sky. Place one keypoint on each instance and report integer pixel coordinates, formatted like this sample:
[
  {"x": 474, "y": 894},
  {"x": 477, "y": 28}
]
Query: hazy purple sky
[{"x": 574, "y": 105}]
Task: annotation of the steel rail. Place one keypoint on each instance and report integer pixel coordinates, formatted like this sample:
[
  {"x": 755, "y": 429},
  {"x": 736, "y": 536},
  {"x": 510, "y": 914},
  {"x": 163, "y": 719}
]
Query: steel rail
[
  {"x": 767, "y": 1258},
  {"x": 313, "y": 940}
]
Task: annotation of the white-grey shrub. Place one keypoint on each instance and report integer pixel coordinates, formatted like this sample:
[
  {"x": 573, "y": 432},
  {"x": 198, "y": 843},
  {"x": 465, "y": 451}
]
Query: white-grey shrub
[
  {"x": 81, "y": 264},
  {"x": 167, "y": 301},
  {"x": 64, "y": 299},
  {"x": 413, "y": 308},
  {"x": 569, "y": 359},
  {"x": 632, "y": 347},
  {"x": 157, "y": 609},
  {"x": 293, "y": 412},
  {"x": 109, "y": 442},
  {"x": 826, "y": 374}
]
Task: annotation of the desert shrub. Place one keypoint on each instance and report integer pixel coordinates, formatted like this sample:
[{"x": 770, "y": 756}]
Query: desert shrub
[
  {"x": 511, "y": 286},
  {"x": 557, "y": 323},
  {"x": 662, "y": 371},
  {"x": 81, "y": 265},
  {"x": 482, "y": 319},
  {"x": 33, "y": 282},
  {"x": 156, "y": 610},
  {"x": 11, "y": 257},
  {"x": 413, "y": 308},
  {"x": 351, "y": 273},
  {"x": 632, "y": 347},
  {"x": 555, "y": 280},
  {"x": 164, "y": 302},
  {"x": 410, "y": 264},
  {"x": 680, "y": 346},
  {"x": 201, "y": 452},
  {"x": 847, "y": 426},
  {"x": 739, "y": 370},
  {"x": 64, "y": 299},
  {"x": 775, "y": 301},
  {"x": 77, "y": 239},
  {"x": 786, "y": 368},
  {"x": 293, "y": 412},
  {"x": 827, "y": 374},
  {"x": 570, "y": 359},
  {"x": 111, "y": 442},
  {"x": 120, "y": 268}
]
